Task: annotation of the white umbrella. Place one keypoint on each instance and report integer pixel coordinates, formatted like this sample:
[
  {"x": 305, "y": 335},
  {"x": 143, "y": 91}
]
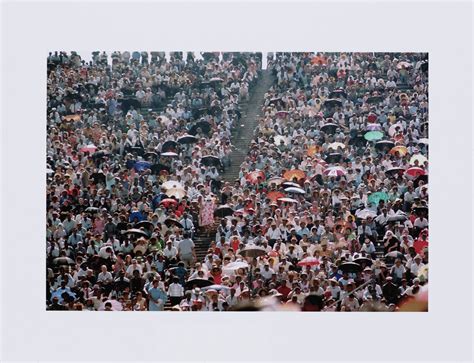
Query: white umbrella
[
  {"x": 278, "y": 139},
  {"x": 421, "y": 159},
  {"x": 169, "y": 154},
  {"x": 392, "y": 130},
  {"x": 287, "y": 200},
  {"x": 335, "y": 171},
  {"x": 295, "y": 190},
  {"x": 116, "y": 306},
  {"x": 365, "y": 213},
  {"x": 423, "y": 141},
  {"x": 336, "y": 145},
  {"x": 172, "y": 184},
  {"x": 233, "y": 266},
  {"x": 176, "y": 192}
]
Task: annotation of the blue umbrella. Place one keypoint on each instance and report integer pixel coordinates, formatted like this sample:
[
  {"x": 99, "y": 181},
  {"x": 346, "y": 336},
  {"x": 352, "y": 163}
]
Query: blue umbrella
[
  {"x": 142, "y": 165},
  {"x": 373, "y": 135}
]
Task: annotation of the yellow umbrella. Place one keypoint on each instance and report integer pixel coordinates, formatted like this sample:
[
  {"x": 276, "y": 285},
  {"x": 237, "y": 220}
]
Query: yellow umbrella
[{"x": 401, "y": 150}]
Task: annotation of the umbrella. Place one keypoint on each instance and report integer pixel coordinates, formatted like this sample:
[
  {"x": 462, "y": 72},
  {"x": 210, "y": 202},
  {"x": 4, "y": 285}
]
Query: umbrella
[
  {"x": 395, "y": 128},
  {"x": 63, "y": 261},
  {"x": 423, "y": 178},
  {"x": 273, "y": 196},
  {"x": 358, "y": 140},
  {"x": 309, "y": 261},
  {"x": 423, "y": 141},
  {"x": 365, "y": 213},
  {"x": 252, "y": 251},
  {"x": 418, "y": 157},
  {"x": 414, "y": 172},
  {"x": 420, "y": 208},
  {"x": 172, "y": 184},
  {"x": 150, "y": 155},
  {"x": 278, "y": 140},
  {"x": 69, "y": 118},
  {"x": 173, "y": 222},
  {"x": 337, "y": 93},
  {"x": 203, "y": 125},
  {"x": 332, "y": 102},
  {"x": 136, "y": 231},
  {"x": 169, "y": 145},
  {"x": 313, "y": 150},
  {"x": 215, "y": 80},
  {"x": 216, "y": 288},
  {"x": 275, "y": 100},
  {"x": 159, "y": 168},
  {"x": 116, "y": 305},
  {"x": 394, "y": 171},
  {"x": 92, "y": 209},
  {"x": 187, "y": 139},
  {"x": 282, "y": 113},
  {"x": 275, "y": 180},
  {"x": 401, "y": 150},
  {"x": 350, "y": 267},
  {"x": 384, "y": 145},
  {"x": 287, "y": 200},
  {"x": 190, "y": 284},
  {"x": 375, "y": 99},
  {"x": 176, "y": 192},
  {"x": 141, "y": 165},
  {"x": 49, "y": 171},
  {"x": 169, "y": 154},
  {"x": 403, "y": 64},
  {"x": 336, "y": 145},
  {"x": 295, "y": 173},
  {"x": 373, "y": 127},
  {"x": 329, "y": 128},
  {"x": 394, "y": 255},
  {"x": 88, "y": 149},
  {"x": 319, "y": 60},
  {"x": 373, "y": 135},
  {"x": 334, "y": 171},
  {"x": 361, "y": 260},
  {"x": 253, "y": 177},
  {"x": 230, "y": 268},
  {"x": 168, "y": 201},
  {"x": 333, "y": 158},
  {"x": 145, "y": 224},
  {"x": 223, "y": 211},
  {"x": 295, "y": 190},
  {"x": 211, "y": 161},
  {"x": 397, "y": 217},
  {"x": 376, "y": 197},
  {"x": 288, "y": 184}
]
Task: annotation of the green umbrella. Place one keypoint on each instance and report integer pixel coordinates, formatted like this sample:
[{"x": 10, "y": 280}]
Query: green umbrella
[
  {"x": 373, "y": 135},
  {"x": 375, "y": 198}
]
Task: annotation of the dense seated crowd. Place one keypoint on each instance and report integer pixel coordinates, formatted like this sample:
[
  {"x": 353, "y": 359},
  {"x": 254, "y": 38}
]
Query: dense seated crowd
[{"x": 329, "y": 212}]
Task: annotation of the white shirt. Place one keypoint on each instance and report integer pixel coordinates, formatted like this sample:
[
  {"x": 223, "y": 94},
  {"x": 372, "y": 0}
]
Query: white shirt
[{"x": 175, "y": 290}]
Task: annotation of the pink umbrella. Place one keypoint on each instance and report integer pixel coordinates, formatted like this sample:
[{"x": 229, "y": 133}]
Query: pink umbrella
[
  {"x": 309, "y": 261},
  {"x": 335, "y": 171},
  {"x": 88, "y": 149},
  {"x": 414, "y": 172},
  {"x": 374, "y": 127}
]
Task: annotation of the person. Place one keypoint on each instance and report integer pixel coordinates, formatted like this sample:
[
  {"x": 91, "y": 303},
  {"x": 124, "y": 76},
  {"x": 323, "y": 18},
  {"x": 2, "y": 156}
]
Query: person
[
  {"x": 186, "y": 251},
  {"x": 157, "y": 297},
  {"x": 175, "y": 292}
]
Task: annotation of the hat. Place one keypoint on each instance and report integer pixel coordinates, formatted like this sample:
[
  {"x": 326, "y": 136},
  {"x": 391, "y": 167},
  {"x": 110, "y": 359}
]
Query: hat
[{"x": 417, "y": 256}]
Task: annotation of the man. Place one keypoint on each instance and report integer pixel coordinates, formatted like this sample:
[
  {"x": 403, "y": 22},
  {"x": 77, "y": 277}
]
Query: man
[
  {"x": 390, "y": 291},
  {"x": 175, "y": 292},
  {"x": 232, "y": 299},
  {"x": 186, "y": 252},
  {"x": 170, "y": 252},
  {"x": 157, "y": 297},
  {"x": 187, "y": 224},
  {"x": 105, "y": 279}
]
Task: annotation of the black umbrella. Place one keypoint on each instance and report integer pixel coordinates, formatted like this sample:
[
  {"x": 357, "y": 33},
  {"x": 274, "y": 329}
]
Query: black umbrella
[
  {"x": 394, "y": 171},
  {"x": 150, "y": 155},
  {"x": 223, "y": 211},
  {"x": 204, "y": 126},
  {"x": 187, "y": 139},
  {"x": 398, "y": 217},
  {"x": 337, "y": 93},
  {"x": 169, "y": 145},
  {"x": 92, "y": 209},
  {"x": 333, "y": 158},
  {"x": 191, "y": 284},
  {"x": 211, "y": 161},
  {"x": 252, "y": 251},
  {"x": 173, "y": 222},
  {"x": 423, "y": 178},
  {"x": 358, "y": 140},
  {"x": 361, "y": 260},
  {"x": 158, "y": 168},
  {"x": 350, "y": 267},
  {"x": 375, "y": 99},
  {"x": 384, "y": 145},
  {"x": 329, "y": 128},
  {"x": 421, "y": 209},
  {"x": 394, "y": 255},
  {"x": 332, "y": 102},
  {"x": 145, "y": 224},
  {"x": 136, "y": 231},
  {"x": 137, "y": 150},
  {"x": 127, "y": 103},
  {"x": 275, "y": 100},
  {"x": 63, "y": 261}
]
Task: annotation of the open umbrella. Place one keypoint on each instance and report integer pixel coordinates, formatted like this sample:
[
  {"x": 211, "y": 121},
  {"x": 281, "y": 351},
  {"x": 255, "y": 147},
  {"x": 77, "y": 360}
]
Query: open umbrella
[
  {"x": 397, "y": 217},
  {"x": 336, "y": 145},
  {"x": 287, "y": 200},
  {"x": 282, "y": 113},
  {"x": 273, "y": 196},
  {"x": 255, "y": 176},
  {"x": 373, "y": 127},
  {"x": 394, "y": 255},
  {"x": 216, "y": 288},
  {"x": 150, "y": 155},
  {"x": 159, "y": 168},
  {"x": 136, "y": 232},
  {"x": 395, "y": 128},
  {"x": 63, "y": 261},
  {"x": 178, "y": 193},
  {"x": 204, "y": 126},
  {"x": 168, "y": 202},
  {"x": 401, "y": 150},
  {"x": 319, "y": 60},
  {"x": 169, "y": 154},
  {"x": 230, "y": 268},
  {"x": 169, "y": 145},
  {"x": 418, "y": 157},
  {"x": 358, "y": 140},
  {"x": 170, "y": 222},
  {"x": 91, "y": 148},
  {"x": 145, "y": 224},
  {"x": 384, "y": 145},
  {"x": 373, "y": 135},
  {"x": 313, "y": 150},
  {"x": 350, "y": 267},
  {"x": 279, "y": 139},
  {"x": 333, "y": 102},
  {"x": 361, "y": 260},
  {"x": 333, "y": 158},
  {"x": 275, "y": 180},
  {"x": 338, "y": 93},
  {"x": 172, "y": 184},
  {"x": 288, "y": 184},
  {"x": 365, "y": 213},
  {"x": 69, "y": 118},
  {"x": 252, "y": 251},
  {"x": 223, "y": 211},
  {"x": 423, "y": 141},
  {"x": 376, "y": 197},
  {"x": 295, "y": 190},
  {"x": 141, "y": 165},
  {"x": 215, "y": 80},
  {"x": 423, "y": 178},
  {"x": 92, "y": 209},
  {"x": 394, "y": 171},
  {"x": 187, "y": 139},
  {"x": 404, "y": 64},
  {"x": 334, "y": 171},
  {"x": 211, "y": 160},
  {"x": 191, "y": 284},
  {"x": 295, "y": 173},
  {"x": 375, "y": 99},
  {"x": 414, "y": 172},
  {"x": 309, "y": 261},
  {"x": 329, "y": 128},
  {"x": 116, "y": 305}
]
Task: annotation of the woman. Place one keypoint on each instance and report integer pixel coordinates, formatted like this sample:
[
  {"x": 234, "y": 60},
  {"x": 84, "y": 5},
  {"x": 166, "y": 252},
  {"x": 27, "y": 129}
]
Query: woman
[{"x": 206, "y": 216}]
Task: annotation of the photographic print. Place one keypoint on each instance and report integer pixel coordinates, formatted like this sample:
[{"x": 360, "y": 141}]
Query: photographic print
[{"x": 237, "y": 181}]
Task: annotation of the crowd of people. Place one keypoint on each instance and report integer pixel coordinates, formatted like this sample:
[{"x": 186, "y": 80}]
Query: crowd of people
[{"x": 330, "y": 211}]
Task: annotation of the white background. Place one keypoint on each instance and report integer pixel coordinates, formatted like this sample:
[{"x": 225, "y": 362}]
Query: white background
[{"x": 30, "y": 30}]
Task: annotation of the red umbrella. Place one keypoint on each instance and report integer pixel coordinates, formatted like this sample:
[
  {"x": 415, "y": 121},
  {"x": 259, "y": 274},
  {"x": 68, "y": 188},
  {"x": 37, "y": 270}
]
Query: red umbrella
[
  {"x": 309, "y": 261},
  {"x": 274, "y": 196},
  {"x": 253, "y": 176},
  {"x": 415, "y": 172},
  {"x": 335, "y": 171},
  {"x": 295, "y": 173},
  {"x": 88, "y": 149},
  {"x": 273, "y": 253},
  {"x": 169, "y": 201}
]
